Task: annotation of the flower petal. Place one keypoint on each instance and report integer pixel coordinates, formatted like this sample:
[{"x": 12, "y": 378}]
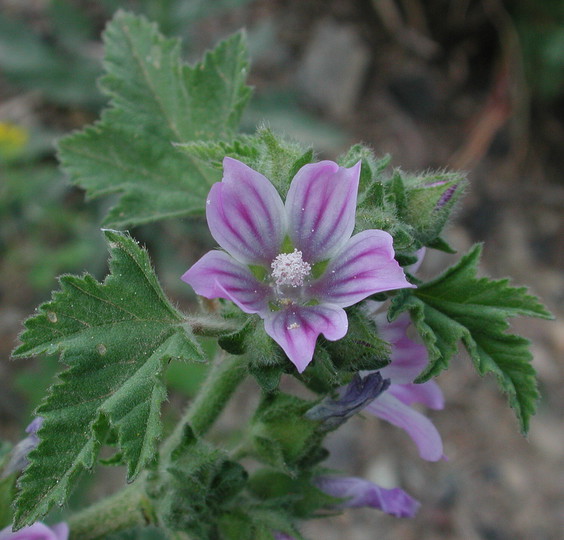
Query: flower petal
[
  {"x": 296, "y": 329},
  {"x": 37, "y": 531},
  {"x": 360, "y": 492},
  {"x": 246, "y": 215},
  {"x": 321, "y": 208},
  {"x": 364, "y": 266},
  {"x": 418, "y": 426},
  {"x": 428, "y": 393},
  {"x": 408, "y": 358},
  {"x": 218, "y": 275}
]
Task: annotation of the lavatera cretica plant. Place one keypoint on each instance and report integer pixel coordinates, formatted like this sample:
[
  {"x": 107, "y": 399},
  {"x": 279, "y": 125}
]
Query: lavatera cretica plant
[{"x": 310, "y": 292}]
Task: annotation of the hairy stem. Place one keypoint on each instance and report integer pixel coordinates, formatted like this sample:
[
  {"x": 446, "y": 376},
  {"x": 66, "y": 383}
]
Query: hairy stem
[
  {"x": 223, "y": 379},
  {"x": 125, "y": 509},
  {"x": 131, "y": 507}
]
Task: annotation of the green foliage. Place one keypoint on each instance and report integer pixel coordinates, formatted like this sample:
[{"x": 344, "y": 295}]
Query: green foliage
[
  {"x": 371, "y": 167},
  {"x": 361, "y": 348},
  {"x": 198, "y": 485},
  {"x": 117, "y": 338},
  {"x": 459, "y": 306},
  {"x": 156, "y": 101},
  {"x": 413, "y": 209},
  {"x": 295, "y": 493},
  {"x": 6, "y": 486},
  {"x": 282, "y": 436},
  {"x": 277, "y": 158}
]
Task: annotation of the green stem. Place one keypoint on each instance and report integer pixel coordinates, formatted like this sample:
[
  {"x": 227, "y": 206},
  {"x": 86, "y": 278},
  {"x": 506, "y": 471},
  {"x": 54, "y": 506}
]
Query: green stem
[
  {"x": 131, "y": 507},
  {"x": 223, "y": 379},
  {"x": 125, "y": 509}
]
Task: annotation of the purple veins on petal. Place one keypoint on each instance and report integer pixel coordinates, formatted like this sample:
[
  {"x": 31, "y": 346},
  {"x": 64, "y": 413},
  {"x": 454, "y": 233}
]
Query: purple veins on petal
[
  {"x": 218, "y": 275},
  {"x": 296, "y": 328},
  {"x": 363, "y": 267},
  {"x": 246, "y": 215},
  {"x": 359, "y": 493},
  {"x": 321, "y": 208},
  {"x": 249, "y": 221}
]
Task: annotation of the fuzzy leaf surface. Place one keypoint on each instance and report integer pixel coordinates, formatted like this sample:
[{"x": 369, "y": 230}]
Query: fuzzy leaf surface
[
  {"x": 116, "y": 337},
  {"x": 156, "y": 101},
  {"x": 459, "y": 306}
]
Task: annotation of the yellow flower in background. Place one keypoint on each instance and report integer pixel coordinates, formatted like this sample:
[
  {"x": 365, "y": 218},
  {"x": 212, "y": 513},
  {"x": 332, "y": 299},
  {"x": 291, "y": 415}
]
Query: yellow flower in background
[{"x": 13, "y": 139}]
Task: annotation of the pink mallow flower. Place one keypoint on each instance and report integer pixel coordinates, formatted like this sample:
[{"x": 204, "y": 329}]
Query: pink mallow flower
[
  {"x": 37, "y": 531},
  {"x": 358, "y": 492},
  {"x": 295, "y": 264},
  {"x": 408, "y": 359}
]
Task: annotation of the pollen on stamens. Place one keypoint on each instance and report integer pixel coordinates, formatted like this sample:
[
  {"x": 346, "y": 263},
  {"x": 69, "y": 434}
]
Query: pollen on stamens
[
  {"x": 293, "y": 326},
  {"x": 290, "y": 269}
]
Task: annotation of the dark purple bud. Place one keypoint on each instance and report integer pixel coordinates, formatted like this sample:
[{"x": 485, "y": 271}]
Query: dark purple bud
[
  {"x": 446, "y": 196},
  {"x": 359, "y": 493},
  {"x": 353, "y": 398}
]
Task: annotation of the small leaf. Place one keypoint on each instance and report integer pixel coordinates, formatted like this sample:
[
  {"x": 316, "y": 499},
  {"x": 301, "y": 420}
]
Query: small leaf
[
  {"x": 117, "y": 338},
  {"x": 198, "y": 483},
  {"x": 459, "y": 306}
]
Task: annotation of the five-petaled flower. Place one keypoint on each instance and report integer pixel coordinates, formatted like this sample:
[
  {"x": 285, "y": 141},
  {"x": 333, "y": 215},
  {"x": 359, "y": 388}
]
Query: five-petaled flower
[{"x": 295, "y": 264}]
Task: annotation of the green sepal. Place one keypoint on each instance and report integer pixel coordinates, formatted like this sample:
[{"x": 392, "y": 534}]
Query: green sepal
[
  {"x": 361, "y": 348},
  {"x": 256, "y": 521},
  {"x": 459, "y": 306},
  {"x": 428, "y": 207},
  {"x": 296, "y": 494},
  {"x": 281, "y": 435},
  {"x": 279, "y": 159},
  {"x": 267, "y": 377},
  {"x": 198, "y": 485},
  {"x": 321, "y": 375},
  {"x": 319, "y": 268},
  {"x": 236, "y": 342},
  {"x": 371, "y": 167},
  {"x": 441, "y": 244},
  {"x": 117, "y": 337},
  {"x": 307, "y": 157}
]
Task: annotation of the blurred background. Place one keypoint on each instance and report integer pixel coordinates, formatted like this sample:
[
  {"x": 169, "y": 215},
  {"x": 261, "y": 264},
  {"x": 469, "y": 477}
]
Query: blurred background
[{"x": 476, "y": 85}]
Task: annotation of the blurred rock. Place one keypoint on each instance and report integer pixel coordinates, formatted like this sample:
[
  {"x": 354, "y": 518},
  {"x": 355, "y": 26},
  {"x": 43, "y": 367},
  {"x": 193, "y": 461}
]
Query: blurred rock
[{"x": 333, "y": 68}]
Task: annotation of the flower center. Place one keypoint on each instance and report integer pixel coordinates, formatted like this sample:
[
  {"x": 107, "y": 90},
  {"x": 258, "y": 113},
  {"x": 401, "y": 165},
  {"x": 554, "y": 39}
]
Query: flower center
[{"x": 290, "y": 269}]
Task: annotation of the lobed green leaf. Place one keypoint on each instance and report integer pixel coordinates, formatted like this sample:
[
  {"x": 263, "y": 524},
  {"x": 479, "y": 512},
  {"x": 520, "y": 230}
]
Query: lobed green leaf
[
  {"x": 459, "y": 306},
  {"x": 117, "y": 338},
  {"x": 156, "y": 102}
]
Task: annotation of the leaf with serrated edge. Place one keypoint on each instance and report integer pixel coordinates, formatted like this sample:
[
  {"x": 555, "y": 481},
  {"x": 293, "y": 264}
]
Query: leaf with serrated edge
[
  {"x": 458, "y": 306},
  {"x": 156, "y": 101},
  {"x": 117, "y": 337}
]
